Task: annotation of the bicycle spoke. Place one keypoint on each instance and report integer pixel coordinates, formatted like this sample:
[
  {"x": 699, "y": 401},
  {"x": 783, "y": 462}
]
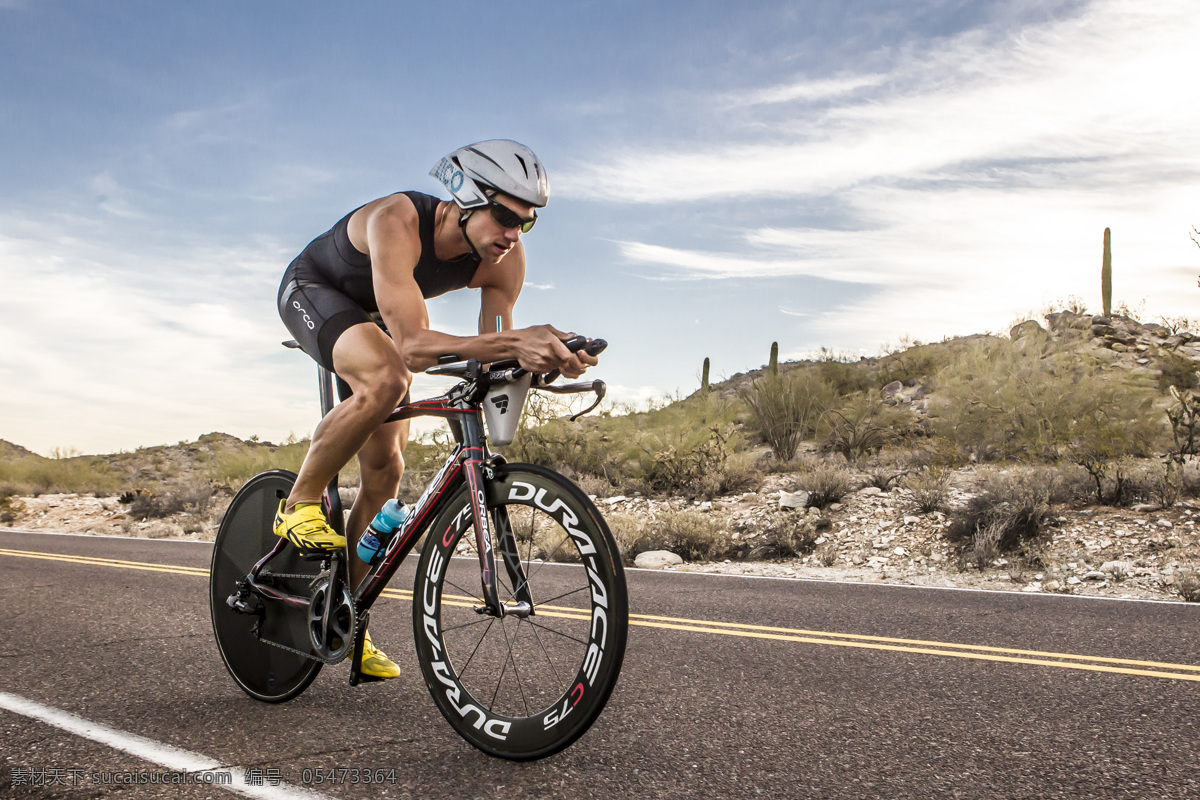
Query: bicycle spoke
[
  {"x": 504, "y": 669},
  {"x": 561, "y": 596},
  {"x": 548, "y": 629},
  {"x": 513, "y": 661},
  {"x": 549, "y": 558},
  {"x": 463, "y": 671},
  {"x": 546, "y": 653},
  {"x": 467, "y": 624},
  {"x": 464, "y": 591}
]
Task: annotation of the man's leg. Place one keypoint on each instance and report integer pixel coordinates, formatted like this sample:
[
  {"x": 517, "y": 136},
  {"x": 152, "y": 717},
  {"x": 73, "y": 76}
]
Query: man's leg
[
  {"x": 366, "y": 359},
  {"x": 381, "y": 464}
]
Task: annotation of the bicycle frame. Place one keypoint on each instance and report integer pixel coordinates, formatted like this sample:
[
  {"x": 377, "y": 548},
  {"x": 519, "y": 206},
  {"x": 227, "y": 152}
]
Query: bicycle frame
[{"x": 467, "y": 464}]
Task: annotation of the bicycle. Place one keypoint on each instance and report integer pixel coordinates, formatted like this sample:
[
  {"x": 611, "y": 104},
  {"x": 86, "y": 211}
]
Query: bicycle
[{"x": 553, "y": 621}]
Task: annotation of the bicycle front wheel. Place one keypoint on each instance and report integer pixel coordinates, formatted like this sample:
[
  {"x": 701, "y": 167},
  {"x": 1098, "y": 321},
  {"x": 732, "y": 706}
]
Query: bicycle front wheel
[{"x": 529, "y": 684}]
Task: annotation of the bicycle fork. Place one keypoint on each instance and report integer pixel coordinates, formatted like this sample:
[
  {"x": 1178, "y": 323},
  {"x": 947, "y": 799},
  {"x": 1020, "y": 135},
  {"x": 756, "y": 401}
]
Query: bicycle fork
[{"x": 477, "y": 473}]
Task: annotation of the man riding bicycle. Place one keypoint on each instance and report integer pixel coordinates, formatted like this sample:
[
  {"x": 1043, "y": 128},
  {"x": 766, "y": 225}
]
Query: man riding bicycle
[{"x": 389, "y": 256}]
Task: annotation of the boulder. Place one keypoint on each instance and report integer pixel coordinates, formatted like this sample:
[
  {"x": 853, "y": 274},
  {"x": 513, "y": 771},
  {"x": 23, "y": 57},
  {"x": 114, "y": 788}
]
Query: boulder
[
  {"x": 1026, "y": 328},
  {"x": 893, "y": 388},
  {"x": 657, "y": 559},
  {"x": 1161, "y": 331},
  {"x": 793, "y": 499}
]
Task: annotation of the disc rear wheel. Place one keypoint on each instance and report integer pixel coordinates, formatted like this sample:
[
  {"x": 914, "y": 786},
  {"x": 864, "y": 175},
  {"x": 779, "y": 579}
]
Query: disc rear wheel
[{"x": 265, "y": 672}]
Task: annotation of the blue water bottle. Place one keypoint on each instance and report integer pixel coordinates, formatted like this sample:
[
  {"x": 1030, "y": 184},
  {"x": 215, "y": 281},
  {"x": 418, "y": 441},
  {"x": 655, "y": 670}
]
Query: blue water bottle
[{"x": 382, "y": 528}]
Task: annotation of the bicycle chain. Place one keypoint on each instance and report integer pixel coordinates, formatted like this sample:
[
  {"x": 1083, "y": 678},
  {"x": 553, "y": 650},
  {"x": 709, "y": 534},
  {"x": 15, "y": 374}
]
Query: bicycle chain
[{"x": 327, "y": 661}]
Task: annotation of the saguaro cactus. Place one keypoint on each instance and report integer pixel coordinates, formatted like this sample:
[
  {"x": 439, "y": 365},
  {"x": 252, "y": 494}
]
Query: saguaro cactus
[
  {"x": 773, "y": 365},
  {"x": 1106, "y": 273},
  {"x": 704, "y": 378}
]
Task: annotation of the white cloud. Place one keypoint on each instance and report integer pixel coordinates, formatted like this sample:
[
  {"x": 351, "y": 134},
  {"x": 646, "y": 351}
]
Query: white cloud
[
  {"x": 1111, "y": 84},
  {"x": 807, "y": 90},
  {"x": 979, "y": 177}
]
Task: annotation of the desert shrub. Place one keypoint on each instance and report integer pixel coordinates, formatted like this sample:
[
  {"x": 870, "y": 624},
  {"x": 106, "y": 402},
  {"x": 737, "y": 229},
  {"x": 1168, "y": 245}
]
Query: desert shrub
[
  {"x": 10, "y": 508},
  {"x": 691, "y": 535},
  {"x": 1009, "y": 512},
  {"x": 1176, "y": 371},
  {"x": 1188, "y": 584},
  {"x": 1184, "y": 416},
  {"x": 693, "y": 467},
  {"x": 862, "y": 426},
  {"x": 784, "y": 534},
  {"x": 64, "y": 472},
  {"x": 1160, "y": 483},
  {"x": 171, "y": 501},
  {"x": 786, "y": 408},
  {"x": 826, "y": 484},
  {"x": 930, "y": 489},
  {"x": 1001, "y": 401},
  {"x": 911, "y": 364},
  {"x": 233, "y": 467},
  {"x": 887, "y": 470},
  {"x": 846, "y": 376}
]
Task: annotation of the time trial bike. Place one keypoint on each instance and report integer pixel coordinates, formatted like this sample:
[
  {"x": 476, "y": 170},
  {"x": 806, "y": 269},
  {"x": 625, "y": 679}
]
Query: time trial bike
[{"x": 520, "y": 659}]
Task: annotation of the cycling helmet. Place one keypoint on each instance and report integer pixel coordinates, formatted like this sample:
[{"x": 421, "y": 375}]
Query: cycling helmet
[{"x": 495, "y": 164}]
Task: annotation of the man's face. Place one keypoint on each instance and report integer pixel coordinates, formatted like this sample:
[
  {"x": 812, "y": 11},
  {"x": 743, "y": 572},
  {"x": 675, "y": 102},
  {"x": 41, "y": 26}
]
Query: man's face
[{"x": 492, "y": 239}]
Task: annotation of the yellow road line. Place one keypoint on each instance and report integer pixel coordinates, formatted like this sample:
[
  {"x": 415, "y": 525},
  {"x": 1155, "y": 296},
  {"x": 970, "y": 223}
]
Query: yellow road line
[
  {"x": 106, "y": 562},
  {"x": 800, "y": 635}
]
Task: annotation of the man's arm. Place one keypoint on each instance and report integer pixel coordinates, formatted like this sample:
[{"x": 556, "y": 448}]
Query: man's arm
[{"x": 395, "y": 247}]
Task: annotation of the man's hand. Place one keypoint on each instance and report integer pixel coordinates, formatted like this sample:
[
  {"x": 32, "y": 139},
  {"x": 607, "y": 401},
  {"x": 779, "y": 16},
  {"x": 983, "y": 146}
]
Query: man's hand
[{"x": 540, "y": 349}]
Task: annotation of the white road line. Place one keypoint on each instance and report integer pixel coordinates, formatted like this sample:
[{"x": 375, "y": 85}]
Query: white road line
[{"x": 164, "y": 755}]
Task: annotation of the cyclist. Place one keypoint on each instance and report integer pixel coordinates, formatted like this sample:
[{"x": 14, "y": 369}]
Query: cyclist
[{"x": 390, "y": 255}]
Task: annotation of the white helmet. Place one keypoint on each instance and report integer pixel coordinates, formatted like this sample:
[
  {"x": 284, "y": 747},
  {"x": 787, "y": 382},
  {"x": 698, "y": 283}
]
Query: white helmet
[{"x": 499, "y": 164}]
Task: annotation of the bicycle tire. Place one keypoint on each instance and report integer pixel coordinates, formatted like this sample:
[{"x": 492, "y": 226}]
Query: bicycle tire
[
  {"x": 265, "y": 672},
  {"x": 577, "y": 631}
]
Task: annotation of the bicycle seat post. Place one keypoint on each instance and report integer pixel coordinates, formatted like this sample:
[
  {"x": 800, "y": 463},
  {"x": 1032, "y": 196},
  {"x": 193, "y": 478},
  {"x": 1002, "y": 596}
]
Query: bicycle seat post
[{"x": 325, "y": 387}]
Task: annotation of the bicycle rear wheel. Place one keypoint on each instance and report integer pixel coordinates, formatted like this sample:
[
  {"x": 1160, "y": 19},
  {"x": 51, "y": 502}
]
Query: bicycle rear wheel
[
  {"x": 264, "y": 672},
  {"x": 527, "y": 685}
]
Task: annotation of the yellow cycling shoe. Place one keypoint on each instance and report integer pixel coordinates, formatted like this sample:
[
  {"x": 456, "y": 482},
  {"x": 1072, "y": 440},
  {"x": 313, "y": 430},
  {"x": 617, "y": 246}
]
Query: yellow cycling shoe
[
  {"x": 375, "y": 663},
  {"x": 306, "y": 528}
]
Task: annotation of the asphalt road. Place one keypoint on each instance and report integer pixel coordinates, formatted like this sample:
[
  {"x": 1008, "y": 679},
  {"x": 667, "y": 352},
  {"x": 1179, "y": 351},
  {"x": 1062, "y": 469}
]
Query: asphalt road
[{"x": 732, "y": 687}]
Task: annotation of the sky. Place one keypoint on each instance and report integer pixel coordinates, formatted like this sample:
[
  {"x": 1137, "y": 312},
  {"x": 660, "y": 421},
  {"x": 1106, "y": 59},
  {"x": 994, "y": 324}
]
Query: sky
[{"x": 846, "y": 175}]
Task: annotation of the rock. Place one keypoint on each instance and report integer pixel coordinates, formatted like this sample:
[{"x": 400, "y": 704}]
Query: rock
[
  {"x": 1164, "y": 523},
  {"x": 656, "y": 559},
  {"x": 1026, "y": 328},
  {"x": 1053, "y": 586},
  {"x": 868, "y": 491},
  {"x": 911, "y": 520},
  {"x": 893, "y": 388},
  {"x": 793, "y": 499},
  {"x": 1099, "y": 320},
  {"x": 1116, "y": 567},
  {"x": 1145, "y": 508},
  {"x": 1161, "y": 331},
  {"x": 706, "y": 506},
  {"x": 1073, "y": 581},
  {"x": 614, "y": 500},
  {"x": 937, "y": 558},
  {"x": 1095, "y": 575},
  {"x": 900, "y": 551},
  {"x": 835, "y": 507},
  {"x": 1033, "y": 587}
]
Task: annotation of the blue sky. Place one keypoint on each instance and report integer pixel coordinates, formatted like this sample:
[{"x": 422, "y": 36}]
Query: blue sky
[{"x": 837, "y": 174}]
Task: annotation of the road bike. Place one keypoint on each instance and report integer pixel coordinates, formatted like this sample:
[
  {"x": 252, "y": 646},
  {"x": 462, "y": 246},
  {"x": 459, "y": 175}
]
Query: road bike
[{"x": 520, "y": 660}]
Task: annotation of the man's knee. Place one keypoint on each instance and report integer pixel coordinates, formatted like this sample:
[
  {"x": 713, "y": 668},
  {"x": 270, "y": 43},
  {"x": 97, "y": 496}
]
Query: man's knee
[
  {"x": 381, "y": 474},
  {"x": 385, "y": 389}
]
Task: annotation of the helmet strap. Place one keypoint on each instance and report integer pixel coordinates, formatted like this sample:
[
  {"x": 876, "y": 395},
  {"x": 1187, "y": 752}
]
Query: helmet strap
[{"x": 464, "y": 215}]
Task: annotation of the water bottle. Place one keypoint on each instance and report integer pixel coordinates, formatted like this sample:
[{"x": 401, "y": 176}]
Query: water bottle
[{"x": 376, "y": 536}]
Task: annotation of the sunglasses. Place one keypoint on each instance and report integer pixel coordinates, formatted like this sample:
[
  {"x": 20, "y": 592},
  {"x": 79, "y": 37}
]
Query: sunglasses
[{"x": 507, "y": 218}]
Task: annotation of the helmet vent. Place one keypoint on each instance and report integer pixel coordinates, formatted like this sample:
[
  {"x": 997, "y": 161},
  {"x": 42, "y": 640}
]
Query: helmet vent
[{"x": 524, "y": 166}]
